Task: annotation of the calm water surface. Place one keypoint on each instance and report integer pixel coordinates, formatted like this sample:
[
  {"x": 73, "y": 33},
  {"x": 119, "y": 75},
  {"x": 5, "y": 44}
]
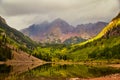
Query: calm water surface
[{"x": 53, "y": 71}]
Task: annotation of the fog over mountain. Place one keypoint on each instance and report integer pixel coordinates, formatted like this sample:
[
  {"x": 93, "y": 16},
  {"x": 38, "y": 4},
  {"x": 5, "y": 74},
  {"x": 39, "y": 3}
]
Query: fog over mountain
[
  {"x": 22, "y": 13},
  {"x": 59, "y": 30}
]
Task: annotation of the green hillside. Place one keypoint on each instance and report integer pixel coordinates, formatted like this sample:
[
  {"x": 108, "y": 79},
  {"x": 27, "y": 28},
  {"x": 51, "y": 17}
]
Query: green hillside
[
  {"x": 106, "y": 45},
  {"x": 5, "y": 51},
  {"x": 112, "y": 25},
  {"x": 17, "y": 36},
  {"x": 12, "y": 40},
  {"x": 99, "y": 49}
]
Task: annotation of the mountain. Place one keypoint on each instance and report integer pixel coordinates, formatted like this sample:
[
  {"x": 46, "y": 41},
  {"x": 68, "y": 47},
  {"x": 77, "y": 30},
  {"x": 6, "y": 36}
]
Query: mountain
[
  {"x": 114, "y": 28},
  {"x": 90, "y": 30},
  {"x": 106, "y": 45},
  {"x": 59, "y": 30},
  {"x": 14, "y": 45}
]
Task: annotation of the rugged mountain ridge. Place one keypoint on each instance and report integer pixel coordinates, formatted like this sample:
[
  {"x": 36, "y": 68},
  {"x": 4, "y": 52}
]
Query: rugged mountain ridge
[
  {"x": 59, "y": 30},
  {"x": 111, "y": 30},
  {"x": 90, "y": 30},
  {"x": 115, "y": 30}
]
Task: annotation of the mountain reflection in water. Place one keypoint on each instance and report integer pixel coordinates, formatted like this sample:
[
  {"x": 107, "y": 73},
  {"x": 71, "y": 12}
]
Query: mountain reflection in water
[{"x": 53, "y": 71}]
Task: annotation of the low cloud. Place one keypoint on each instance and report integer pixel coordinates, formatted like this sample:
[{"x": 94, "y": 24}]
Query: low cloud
[{"x": 26, "y": 12}]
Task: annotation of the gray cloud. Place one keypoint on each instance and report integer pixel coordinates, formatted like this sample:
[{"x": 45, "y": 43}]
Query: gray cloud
[{"x": 26, "y": 12}]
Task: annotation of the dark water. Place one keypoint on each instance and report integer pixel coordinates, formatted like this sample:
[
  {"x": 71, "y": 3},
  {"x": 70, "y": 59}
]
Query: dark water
[{"x": 53, "y": 72}]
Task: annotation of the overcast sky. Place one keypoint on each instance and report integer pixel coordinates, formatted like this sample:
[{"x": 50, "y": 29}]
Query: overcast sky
[{"x": 20, "y": 14}]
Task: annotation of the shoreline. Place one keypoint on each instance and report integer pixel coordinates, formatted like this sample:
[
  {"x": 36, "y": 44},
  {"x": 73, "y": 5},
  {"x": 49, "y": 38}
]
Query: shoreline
[
  {"x": 115, "y": 76},
  {"x": 62, "y": 63}
]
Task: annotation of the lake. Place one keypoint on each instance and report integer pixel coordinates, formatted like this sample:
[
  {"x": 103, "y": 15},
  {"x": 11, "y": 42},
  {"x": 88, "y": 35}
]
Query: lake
[{"x": 53, "y": 71}]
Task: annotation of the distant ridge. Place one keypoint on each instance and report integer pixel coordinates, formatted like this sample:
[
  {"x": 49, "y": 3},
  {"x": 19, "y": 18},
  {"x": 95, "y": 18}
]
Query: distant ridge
[
  {"x": 111, "y": 30},
  {"x": 59, "y": 30}
]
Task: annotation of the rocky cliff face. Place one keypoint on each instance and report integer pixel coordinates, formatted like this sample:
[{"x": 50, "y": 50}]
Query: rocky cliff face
[{"x": 115, "y": 29}]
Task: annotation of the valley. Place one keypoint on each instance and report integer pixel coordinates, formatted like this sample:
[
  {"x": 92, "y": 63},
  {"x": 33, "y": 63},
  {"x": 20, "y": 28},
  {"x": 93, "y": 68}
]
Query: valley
[
  {"x": 104, "y": 46},
  {"x": 62, "y": 47}
]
